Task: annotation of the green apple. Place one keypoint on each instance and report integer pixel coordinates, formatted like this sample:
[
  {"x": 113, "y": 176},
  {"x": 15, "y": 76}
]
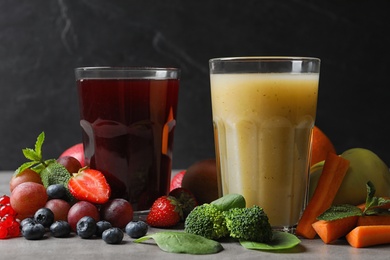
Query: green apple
[{"x": 364, "y": 166}]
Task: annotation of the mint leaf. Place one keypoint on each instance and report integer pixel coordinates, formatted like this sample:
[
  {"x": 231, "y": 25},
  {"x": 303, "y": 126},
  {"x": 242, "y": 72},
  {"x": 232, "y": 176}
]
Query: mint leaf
[
  {"x": 375, "y": 205},
  {"x": 36, "y": 162},
  {"x": 31, "y": 154},
  {"x": 181, "y": 242},
  {"x": 280, "y": 241},
  {"x": 24, "y": 166},
  {"x": 39, "y": 143},
  {"x": 371, "y": 200},
  {"x": 383, "y": 201},
  {"x": 229, "y": 201},
  {"x": 42, "y": 165},
  {"x": 340, "y": 211}
]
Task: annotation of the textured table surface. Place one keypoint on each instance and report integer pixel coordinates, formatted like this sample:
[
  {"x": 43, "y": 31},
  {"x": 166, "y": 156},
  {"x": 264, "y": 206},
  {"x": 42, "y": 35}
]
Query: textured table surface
[{"x": 77, "y": 248}]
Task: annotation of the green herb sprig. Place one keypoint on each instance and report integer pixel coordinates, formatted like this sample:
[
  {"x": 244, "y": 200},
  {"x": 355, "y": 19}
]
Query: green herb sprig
[
  {"x": 373, "y": 206},
  {"x": 36, "y": 161}
]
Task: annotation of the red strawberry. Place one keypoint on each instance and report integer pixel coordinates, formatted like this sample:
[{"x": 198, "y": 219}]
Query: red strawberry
[
  {"x": 89, "y": 185},
  {"x": 176, "y": 180},
  {"x": 165, "y": 212},
  {"x": 186, "y": 199}
]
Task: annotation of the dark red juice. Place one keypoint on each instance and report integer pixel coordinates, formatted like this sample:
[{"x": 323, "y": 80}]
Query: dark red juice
[{"x": 128, "y": 127}]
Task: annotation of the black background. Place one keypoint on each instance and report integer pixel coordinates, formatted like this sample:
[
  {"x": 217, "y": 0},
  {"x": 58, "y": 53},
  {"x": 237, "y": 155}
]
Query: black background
[{"x": 42, "y": 41}]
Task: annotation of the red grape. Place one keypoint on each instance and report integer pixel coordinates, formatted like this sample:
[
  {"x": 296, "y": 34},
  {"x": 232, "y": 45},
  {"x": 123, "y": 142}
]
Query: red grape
[
  {"x": 118, "y": 212},
  {"x": 27, "y": 198},
  {"x": 27, "y": 175},
  {"x": 70, "y": 163},
  {"x": 81, "y": 209},
  {"x": 59, "y": 207}
]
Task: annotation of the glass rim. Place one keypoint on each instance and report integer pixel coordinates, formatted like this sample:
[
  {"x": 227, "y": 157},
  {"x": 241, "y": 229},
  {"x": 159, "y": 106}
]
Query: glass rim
[
  {"x": 125, "y": 68},
  {"x": 264, "y": 58},
  {"x": 109, "y": 72}
]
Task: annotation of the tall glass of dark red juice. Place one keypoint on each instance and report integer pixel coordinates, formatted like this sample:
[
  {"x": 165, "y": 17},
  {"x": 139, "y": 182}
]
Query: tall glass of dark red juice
[{"x": 128, "y": 118}]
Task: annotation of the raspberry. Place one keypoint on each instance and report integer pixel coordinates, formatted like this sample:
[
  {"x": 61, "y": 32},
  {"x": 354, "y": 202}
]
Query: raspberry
[
  {"x": 6, "y": 209},
  {"x": 4, "y": 200},
  {"x": 7, "y": 221},
  {"x": 9, "y": 227},
  {"x": 14, "y": 230},
  {"x": 3, "y": 232}
]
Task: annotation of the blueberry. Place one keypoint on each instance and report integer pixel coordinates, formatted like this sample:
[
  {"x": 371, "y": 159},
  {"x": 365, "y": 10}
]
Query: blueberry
[
  {"x": 86, "y": 227},
  {"x": 44, "y": 216},
  {"x": 27, "y": 221},
  {"x": 60, "y": 228},
  {"x": 101, "y": 226},
  {"x": 56, "y": 191},
  {"x": 136, "y": 229},
  {"x": 33, "y": 231},
  {"x": 113, "y": 235}
]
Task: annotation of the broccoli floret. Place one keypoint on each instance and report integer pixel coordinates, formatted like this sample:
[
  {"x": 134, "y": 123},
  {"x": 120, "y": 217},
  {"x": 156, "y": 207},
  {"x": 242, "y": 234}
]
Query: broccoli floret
[
  {"x": 248, "y": 224},
  {"x": 206, "y": 220}
]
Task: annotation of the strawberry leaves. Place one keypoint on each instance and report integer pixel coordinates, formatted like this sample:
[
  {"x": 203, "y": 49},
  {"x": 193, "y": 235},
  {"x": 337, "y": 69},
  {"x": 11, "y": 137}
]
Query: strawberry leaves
[{"x": 34, "y": 156}]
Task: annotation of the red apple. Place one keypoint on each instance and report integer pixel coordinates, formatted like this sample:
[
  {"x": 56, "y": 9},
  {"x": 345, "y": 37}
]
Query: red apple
[
  {"x": 76, "y": 151},
  {"x": 176, "y": 180}
]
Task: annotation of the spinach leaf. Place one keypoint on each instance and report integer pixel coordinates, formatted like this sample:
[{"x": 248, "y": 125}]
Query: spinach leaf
[
  {"x": 181, "y": 242},
  {"x": 280, "y": 241},
  {"x": 229, "y": 201}
]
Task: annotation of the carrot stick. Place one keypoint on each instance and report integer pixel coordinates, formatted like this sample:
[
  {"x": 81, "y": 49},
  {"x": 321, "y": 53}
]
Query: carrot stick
[
  {"x": 365, "y": 236},
  {"x": 329, "y": 231},
  {"x": 332, "y": 175},
  {"x": 373, "y": 220}
]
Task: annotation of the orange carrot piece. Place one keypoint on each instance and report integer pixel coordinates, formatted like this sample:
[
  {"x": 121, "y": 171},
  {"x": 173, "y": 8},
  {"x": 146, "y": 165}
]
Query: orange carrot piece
[
  {"x": 373, "y": 220},
  {"x": 365, "y": 236},
  {"x": 332, "y": 175},
  {"x": 329, "y": 231}
]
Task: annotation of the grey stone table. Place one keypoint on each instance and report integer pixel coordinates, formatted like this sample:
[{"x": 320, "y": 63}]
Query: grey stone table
[{"x": 84, "y": 249}]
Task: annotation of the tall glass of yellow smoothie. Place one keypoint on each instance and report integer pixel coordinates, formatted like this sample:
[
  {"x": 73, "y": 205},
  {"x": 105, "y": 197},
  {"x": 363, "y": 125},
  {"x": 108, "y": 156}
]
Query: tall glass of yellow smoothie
[{"x": 264, "y": 110}]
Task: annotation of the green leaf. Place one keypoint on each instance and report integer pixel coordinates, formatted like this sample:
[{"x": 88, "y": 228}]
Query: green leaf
[
  {"x": 42, "y": 165},
  {"x": 181, "y": 242},
  {"x": 39, "y": 143},
  {"x": 339, "y": 212},
  {"x": 383, "y": 201},
  {"x": 370, "y": 199},
  {"x": 31, "y": 154},
  {"x": 229, "y": 201},
  {"x": 25, "y": 166},
  {"x": 280, "y": 241}
]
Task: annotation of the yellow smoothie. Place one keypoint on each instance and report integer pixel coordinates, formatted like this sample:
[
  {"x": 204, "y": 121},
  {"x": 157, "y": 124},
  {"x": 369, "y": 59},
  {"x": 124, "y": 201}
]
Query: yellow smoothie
[{"x": 263, "y": 125}]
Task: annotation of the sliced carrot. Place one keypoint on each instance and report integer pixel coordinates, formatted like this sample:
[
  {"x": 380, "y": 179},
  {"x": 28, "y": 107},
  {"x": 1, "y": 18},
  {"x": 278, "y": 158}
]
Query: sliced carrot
[
  {"x": 332, "y": 175},
  {"x": 365, "y": 236},
  {"x": 373, "y": 220},
  {"x": 329, "y": 231}
]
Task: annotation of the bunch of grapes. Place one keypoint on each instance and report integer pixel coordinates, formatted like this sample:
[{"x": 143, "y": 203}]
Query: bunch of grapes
[{"x": 9, "y": 225}]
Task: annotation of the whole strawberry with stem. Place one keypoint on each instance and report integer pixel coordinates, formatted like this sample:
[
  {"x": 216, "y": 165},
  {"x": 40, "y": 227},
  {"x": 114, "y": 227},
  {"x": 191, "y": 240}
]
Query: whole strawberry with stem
[
  {"x": 165, "y": 212},
  {"x": 186, "y": 199}
]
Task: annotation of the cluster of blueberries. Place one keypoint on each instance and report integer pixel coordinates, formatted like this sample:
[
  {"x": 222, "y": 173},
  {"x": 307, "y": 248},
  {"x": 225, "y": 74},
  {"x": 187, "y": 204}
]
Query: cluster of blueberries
[{"x": 35, "y": 228}]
